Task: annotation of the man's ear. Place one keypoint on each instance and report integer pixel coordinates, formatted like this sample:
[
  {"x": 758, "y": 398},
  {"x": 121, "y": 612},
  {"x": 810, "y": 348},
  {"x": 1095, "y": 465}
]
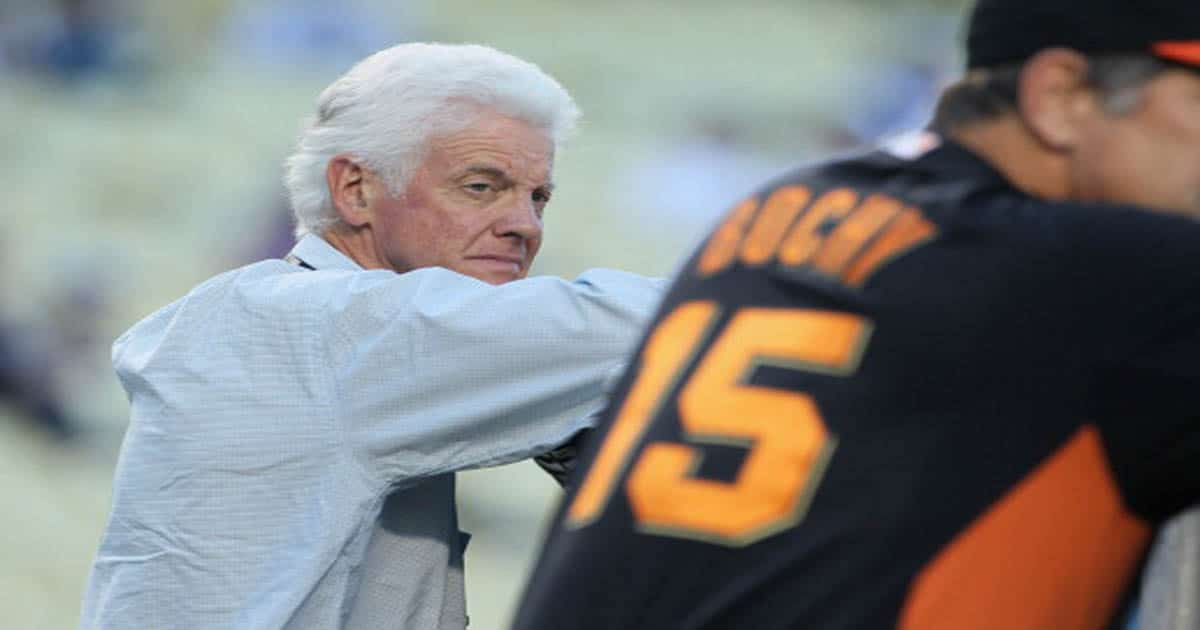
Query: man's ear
[
  {"x": 1055, "y": 98},
  {"x": 348, "y": 190}
]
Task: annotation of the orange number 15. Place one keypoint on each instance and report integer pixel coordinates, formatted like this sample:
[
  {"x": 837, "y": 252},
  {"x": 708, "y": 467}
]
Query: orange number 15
[{"x": 787, "y": 439}]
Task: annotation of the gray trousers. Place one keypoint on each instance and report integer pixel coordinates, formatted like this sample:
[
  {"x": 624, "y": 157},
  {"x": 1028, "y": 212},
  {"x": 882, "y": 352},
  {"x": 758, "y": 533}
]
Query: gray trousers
[{"x": 1171, "y": 584}]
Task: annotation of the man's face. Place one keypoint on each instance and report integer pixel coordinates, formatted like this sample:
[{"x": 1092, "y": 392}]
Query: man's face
[
  {"x": 474, "y": 205},
  {"x": 1149, "y": 157}
]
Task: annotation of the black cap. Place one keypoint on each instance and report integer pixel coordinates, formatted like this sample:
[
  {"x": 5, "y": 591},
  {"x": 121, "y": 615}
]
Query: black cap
[{"x": 1008, "y": 32}]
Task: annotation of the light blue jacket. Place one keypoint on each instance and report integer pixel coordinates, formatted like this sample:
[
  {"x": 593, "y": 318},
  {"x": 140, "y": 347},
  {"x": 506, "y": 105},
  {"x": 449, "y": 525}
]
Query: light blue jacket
[{"x": 290, "y": 457}]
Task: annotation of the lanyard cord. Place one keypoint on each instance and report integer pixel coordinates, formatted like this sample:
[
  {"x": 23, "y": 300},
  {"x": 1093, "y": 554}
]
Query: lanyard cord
[{"x": 295, "y": 260}]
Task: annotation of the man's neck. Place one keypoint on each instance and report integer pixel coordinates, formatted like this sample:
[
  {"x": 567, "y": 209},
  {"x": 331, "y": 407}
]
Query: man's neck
[
  {"x": 1025, "y": 162},
  {"x": 358, "y": 244}
]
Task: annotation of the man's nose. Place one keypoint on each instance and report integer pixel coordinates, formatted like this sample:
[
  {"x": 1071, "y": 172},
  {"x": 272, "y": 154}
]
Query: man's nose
[{"x": 521, "y": 219}]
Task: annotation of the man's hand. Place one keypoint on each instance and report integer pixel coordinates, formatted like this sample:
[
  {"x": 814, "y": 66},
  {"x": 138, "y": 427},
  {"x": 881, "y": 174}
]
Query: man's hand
[{"x": 560, "y": 462}]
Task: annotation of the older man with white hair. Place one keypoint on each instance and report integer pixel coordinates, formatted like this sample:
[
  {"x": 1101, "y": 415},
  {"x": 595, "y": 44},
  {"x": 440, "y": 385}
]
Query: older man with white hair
[{"x": 296, "y": 425}]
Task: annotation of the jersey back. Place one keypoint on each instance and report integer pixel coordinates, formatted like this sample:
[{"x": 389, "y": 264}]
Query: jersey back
[{"x": 892, "y": 393}]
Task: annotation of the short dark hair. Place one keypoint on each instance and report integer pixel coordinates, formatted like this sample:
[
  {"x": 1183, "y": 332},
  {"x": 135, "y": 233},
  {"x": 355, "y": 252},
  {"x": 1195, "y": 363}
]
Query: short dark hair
[{"x": 988, "y": 93}]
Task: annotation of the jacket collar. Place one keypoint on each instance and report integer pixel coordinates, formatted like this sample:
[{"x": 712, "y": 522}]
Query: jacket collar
[{"x": 319, "y": 254}]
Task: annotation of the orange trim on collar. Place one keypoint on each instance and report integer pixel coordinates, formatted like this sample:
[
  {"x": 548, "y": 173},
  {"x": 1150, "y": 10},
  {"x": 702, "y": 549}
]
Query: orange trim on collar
[{"x": 1184, "y": 51}]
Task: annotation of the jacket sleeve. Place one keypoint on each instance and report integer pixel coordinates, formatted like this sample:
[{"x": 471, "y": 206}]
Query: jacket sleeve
[{"x": 437, "y": 372}]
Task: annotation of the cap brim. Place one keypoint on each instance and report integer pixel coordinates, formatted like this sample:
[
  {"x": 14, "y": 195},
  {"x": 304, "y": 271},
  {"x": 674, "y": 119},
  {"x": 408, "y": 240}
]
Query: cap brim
[{"x": 1181, "y": 52}]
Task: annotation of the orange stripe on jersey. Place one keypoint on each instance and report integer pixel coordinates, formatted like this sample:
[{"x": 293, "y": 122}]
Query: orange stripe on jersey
[{"x": 1056, "y": 552}]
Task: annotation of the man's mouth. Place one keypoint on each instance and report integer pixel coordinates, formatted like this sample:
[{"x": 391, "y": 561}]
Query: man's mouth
[{"x": 502, "y": 262}]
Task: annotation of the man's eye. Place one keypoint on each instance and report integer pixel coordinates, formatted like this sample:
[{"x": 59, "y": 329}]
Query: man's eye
[
  {"x": 541, "y": 196},
  {"x": 478, "y": 187}
]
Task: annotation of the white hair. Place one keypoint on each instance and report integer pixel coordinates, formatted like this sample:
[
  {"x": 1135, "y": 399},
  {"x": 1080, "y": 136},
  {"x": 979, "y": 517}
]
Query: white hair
[{"x": 385, "y": 110}]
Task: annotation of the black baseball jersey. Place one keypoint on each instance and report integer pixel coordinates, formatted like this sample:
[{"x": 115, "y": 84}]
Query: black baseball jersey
[{"x": 892, "y": 393}]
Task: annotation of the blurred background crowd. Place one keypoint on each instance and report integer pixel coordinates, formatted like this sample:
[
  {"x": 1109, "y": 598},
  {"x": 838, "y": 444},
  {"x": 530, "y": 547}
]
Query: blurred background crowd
[{"x": 140, "y": 151}]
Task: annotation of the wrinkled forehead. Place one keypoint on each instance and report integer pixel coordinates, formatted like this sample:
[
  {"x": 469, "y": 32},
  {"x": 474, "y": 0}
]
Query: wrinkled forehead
[{"x": 497, "y": 144}]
